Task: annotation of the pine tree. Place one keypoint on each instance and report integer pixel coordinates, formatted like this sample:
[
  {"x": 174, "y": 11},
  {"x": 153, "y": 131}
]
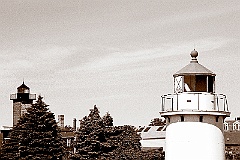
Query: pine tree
[
  {"x": 36, "y": 135},
  {"x": 107, "y": 120},
  {"x": 90, "y": 134},
  {"x": 157, "y": 122},
  {"x": 97, "y": 138},
  {"x": 152, "y": 154},
  {"x": 123, "y": 142}
]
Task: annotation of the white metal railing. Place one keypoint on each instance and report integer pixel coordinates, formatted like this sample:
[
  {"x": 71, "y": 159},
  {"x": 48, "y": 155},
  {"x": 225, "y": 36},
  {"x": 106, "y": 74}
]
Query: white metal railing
[
  {"x": 194, "y": 101},
  {"x": 14, "y": 96},
  {"x": 32, "y": 96}
]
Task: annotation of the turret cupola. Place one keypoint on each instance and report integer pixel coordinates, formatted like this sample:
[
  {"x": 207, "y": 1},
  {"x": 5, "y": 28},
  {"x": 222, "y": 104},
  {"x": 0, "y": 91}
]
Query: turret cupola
[
  {"x": 23, "y": 89},
  {"x": 21, "y": 101},
  {"x": 194, "y": 77}
]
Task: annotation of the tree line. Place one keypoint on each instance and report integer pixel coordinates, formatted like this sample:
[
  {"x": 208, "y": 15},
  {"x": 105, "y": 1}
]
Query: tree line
[{"x": 37, "y": 136}]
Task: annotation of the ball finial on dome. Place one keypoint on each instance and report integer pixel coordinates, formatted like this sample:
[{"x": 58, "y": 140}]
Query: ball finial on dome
[{"x": 194, "y": 54}]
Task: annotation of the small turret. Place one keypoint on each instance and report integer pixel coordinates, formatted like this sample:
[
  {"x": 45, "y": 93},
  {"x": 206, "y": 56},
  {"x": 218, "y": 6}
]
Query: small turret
[
  {"x": 23, "y": 89},
  {"x": 21, "y": 101},
  {"x": 194, "y": 77}
]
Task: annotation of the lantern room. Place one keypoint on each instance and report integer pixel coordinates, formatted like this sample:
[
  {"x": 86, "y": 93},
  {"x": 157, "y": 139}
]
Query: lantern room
[
  {"x": 194, "y": 77},
  {"x": 194, "y": 89},
  {"x": 23, "y": 95},
  {"x": 23, "y": 89}
]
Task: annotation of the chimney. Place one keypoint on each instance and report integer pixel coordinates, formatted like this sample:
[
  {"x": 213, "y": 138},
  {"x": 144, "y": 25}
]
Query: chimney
[
  {"x": 61, "y": 121},
  {"x": 74, "y": 124}
]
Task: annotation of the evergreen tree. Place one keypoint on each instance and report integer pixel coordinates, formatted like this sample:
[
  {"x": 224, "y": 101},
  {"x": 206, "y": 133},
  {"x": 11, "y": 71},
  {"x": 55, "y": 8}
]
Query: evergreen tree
[
  {"x": 97, "y": 138},
  {"x": 123, "y": 142},
  {"x": 108, "y": 120},
  {"x": 36, "y": 135},
  {"x": 157, "y": 122},
  {"x": 152, "y": 154},
  {"x": 90, "y": 133}
]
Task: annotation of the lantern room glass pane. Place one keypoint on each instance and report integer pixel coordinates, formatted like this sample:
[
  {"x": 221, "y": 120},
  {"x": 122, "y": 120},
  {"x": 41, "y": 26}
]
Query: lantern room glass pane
[
  {"x": 195, "y": 83},
  {"x": 189, "y": 83},
  {"x": 201, "y": 83},
  {"x": 210, "y": 84}
]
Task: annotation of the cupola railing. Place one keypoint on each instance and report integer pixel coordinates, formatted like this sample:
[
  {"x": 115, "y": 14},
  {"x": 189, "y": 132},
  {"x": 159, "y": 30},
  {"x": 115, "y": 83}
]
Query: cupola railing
[{"x": 194, "y": 101}]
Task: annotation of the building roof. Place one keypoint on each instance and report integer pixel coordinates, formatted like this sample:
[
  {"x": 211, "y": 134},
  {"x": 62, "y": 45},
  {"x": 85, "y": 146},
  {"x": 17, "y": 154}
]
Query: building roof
[
  {"x": 67, "y": 134},
  {"x": 232, "y": 137},
  {"x": 152, "y": 132},
  {"x": 194, "y": 68},
  {"x": 152, "y": 137},
  {"x": 5, "y": 128},
  {"x": 23, "y": 86}
]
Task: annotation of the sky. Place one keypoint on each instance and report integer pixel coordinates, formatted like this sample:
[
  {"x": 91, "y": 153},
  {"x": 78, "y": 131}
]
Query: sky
[{"x": 119, "y": 55}]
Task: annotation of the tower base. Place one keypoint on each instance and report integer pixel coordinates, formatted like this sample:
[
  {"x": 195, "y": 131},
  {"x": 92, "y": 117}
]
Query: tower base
[{"x": 194, "y": 141}]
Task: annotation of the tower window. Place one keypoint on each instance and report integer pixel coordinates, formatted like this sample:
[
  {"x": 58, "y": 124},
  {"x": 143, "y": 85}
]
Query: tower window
[
  {"x": 201, "y": 119},
  {"x": 226, "y": 126},
  {"x": 182, "y": 118},
  {"x": 197, "y": 83},
  {"x": 236, "y": 126}
]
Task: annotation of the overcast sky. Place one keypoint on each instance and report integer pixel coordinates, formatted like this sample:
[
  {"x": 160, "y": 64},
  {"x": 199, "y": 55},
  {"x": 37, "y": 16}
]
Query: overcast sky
[{"x": 119, "y": 55}]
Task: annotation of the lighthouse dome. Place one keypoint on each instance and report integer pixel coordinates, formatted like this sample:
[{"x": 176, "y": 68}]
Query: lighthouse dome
[
  {"x": 194, "y": 68},
  {"x": 194, "y": 54},
  {"x": 23, "y": 89}
]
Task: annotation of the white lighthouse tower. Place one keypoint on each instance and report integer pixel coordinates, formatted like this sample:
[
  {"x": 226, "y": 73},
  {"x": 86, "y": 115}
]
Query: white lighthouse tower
[{"x": 194, "y": 115}]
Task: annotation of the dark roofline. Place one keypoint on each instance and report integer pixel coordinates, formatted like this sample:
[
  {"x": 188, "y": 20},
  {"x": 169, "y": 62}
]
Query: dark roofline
[
  {"x": 194, "y": 68},
  {"x": 23, "y": 86}
]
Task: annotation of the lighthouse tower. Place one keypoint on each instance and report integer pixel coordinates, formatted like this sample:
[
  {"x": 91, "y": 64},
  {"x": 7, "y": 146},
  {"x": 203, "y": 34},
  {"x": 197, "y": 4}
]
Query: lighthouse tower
[
  {"x": 21, "y": 100},
  {"x": 194, "y": 114}
]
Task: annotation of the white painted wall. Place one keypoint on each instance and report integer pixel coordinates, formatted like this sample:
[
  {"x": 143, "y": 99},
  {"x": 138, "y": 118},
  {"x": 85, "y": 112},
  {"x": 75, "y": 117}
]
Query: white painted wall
[
  {"x": 194, "y": 141},
  {"x": 201, "y": 101}
]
